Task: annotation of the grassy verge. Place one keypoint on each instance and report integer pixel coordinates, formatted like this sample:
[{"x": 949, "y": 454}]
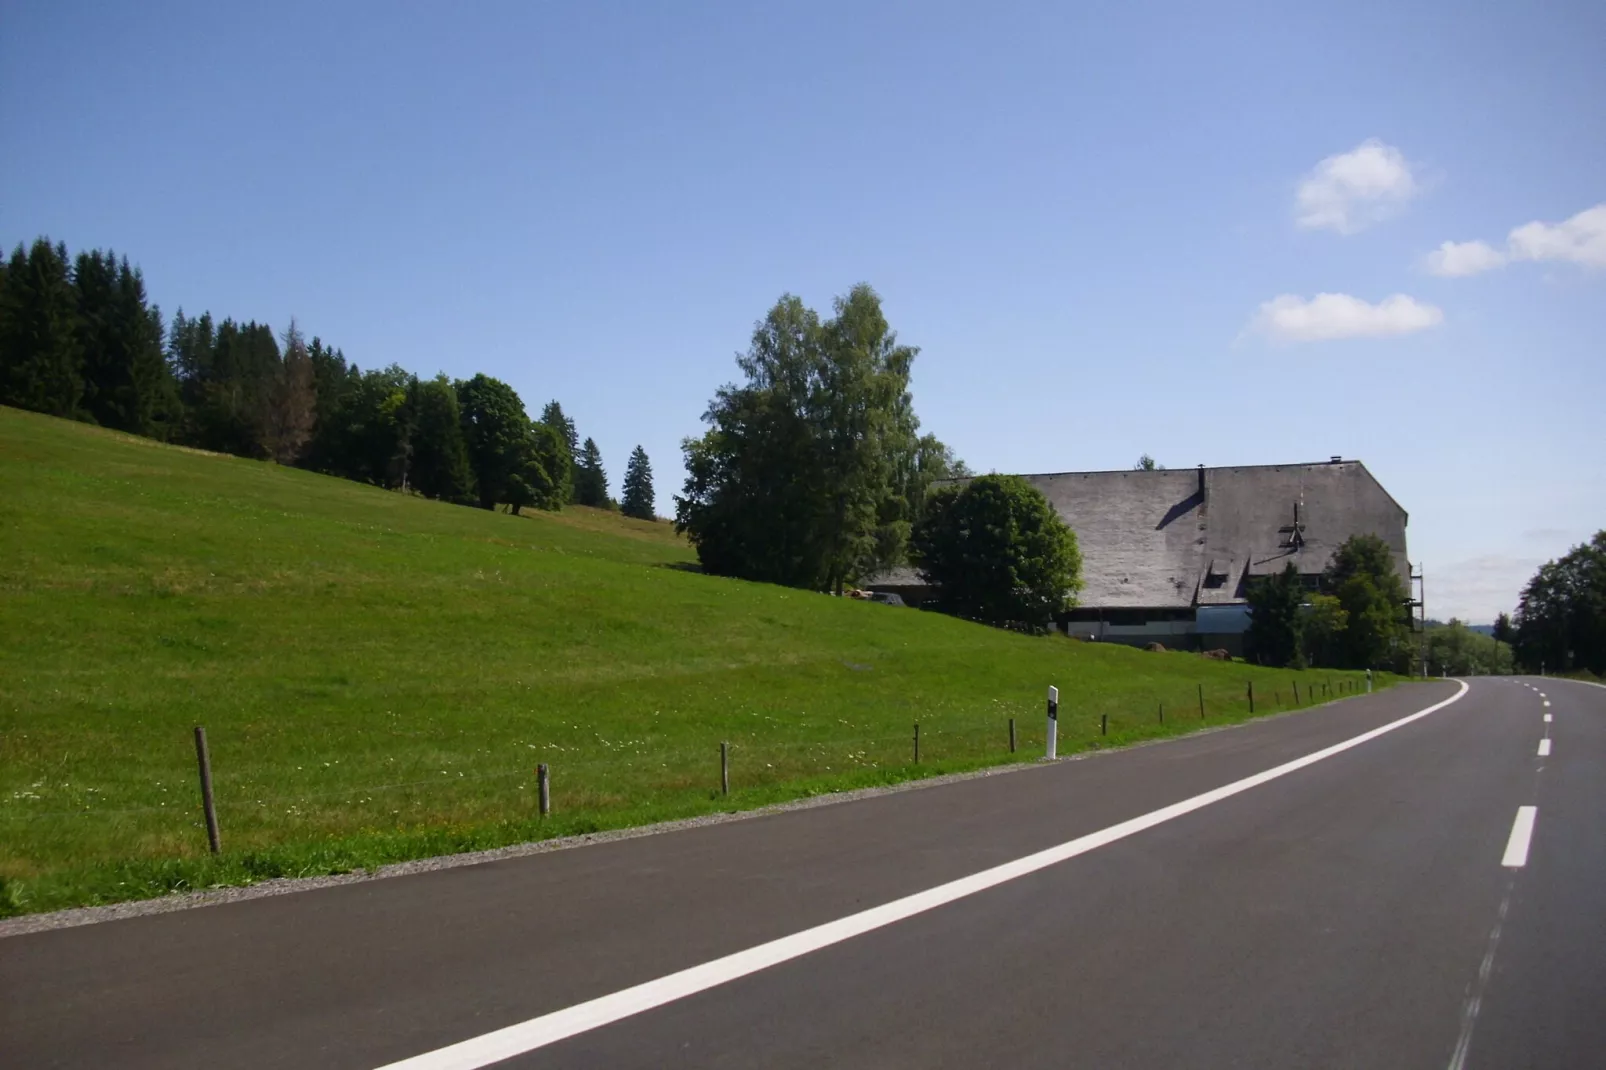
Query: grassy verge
[{"x": 379, "y": 675}]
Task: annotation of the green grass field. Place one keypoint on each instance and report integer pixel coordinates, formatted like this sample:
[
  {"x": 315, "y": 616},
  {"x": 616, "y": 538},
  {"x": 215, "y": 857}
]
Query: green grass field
[{"x": 379, "y": 675}]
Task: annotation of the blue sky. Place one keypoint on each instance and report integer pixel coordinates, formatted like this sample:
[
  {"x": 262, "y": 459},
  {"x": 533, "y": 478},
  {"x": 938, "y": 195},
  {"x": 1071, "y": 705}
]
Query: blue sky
[{"x": 1105, "y": 225}]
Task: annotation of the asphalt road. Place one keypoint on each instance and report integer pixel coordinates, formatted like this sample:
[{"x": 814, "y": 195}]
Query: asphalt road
[{"x": 1352, "y": 912}]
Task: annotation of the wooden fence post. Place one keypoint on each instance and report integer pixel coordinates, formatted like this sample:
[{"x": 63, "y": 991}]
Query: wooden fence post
[{"x": 207, "y": 802}]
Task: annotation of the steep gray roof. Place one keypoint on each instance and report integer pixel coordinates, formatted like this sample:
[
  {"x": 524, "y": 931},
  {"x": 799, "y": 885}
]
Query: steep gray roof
[{"x": 1154, "y": 539}]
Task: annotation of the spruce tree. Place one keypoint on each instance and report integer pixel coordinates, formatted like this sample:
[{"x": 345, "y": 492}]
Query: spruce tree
[
  {"x": 127, "y": 382},
  {"x": 552, "y": 416},
  {"x": 637, "y": 500},
  {"x": 590, "y": 480},
  {"x": 440, "y": 458},
  {"x": 288, "y": 402},
  {"x": 41, "y": 362}
]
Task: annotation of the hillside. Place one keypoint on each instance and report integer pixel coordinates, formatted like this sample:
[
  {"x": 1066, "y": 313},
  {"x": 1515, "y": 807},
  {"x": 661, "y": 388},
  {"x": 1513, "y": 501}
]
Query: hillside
[{"x": 379, "y": 674}]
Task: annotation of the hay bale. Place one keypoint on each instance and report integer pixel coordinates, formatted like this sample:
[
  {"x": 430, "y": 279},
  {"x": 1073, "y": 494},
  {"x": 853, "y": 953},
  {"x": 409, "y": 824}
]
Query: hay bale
[
  {"x": 1155, "y": 648},
  {"x": 1219, "y": 654}
]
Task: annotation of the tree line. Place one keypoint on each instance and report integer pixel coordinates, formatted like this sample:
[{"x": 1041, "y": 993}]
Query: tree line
[
  {"x": 79, "y": 339},
  {"x": 1560, "y": 624}
]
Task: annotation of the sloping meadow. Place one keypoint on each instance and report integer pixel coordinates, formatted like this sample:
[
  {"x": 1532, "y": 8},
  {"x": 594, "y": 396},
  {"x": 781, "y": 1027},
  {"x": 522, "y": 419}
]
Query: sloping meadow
[{"x": 379, "y": 675}]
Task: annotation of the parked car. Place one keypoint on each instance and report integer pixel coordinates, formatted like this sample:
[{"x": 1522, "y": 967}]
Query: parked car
[{"x": 886, "y": 598}]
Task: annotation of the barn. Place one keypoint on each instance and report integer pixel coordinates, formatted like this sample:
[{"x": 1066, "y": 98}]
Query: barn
[{"x": 1168, "y": 555}]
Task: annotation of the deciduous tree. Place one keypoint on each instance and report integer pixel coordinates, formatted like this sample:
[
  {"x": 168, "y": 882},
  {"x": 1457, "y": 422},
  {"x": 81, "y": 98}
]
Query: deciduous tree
[
  {"x": 1274, "y": 601},
  {"x": 996, "y": 551},
  {"x": 1561, "y": 619},
  {"x": 496, "y": 431},
  {"x": 1363, "y": 578},
  {"x": 812, "y": 470}
]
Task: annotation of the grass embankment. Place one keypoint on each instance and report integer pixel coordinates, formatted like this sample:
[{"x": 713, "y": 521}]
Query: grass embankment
[{"x": 379, "y": 675}]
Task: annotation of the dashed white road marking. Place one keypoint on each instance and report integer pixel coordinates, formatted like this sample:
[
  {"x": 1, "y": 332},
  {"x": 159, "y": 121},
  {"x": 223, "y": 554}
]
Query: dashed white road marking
[
  {"x": 1469, "y": 1011},
  {"x": 1547, "y": 718},
  {"x": 1544, "y": 748},
  {"x": 1522, "y": 833},
  {"x": 1547, "y": 702},
  {"x": 527, "y": 1036}
]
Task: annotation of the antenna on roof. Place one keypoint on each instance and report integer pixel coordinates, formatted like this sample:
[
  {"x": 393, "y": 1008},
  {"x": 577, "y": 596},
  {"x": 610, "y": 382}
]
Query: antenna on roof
[{"x": 1337, "y": 459}]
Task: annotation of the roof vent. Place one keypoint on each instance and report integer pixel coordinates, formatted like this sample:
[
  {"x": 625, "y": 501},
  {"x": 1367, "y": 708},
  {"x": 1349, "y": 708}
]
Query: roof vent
[{"x": 1337, "y": 459}]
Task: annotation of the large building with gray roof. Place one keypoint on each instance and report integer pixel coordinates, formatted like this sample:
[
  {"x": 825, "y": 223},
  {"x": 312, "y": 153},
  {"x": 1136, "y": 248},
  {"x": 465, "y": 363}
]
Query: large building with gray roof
[{"x": 1168, "y": 555}]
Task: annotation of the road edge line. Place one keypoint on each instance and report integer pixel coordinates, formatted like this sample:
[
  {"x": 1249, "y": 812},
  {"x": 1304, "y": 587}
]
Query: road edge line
[{"x": 547, "y": 1029}]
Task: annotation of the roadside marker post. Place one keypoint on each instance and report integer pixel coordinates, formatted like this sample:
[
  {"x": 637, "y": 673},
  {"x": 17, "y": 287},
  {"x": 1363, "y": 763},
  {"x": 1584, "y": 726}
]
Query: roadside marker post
[
  {"x": 1368, "y": 681},
  {"x": 1012, "y": 735},
  {"x": 1104, "y": 724},
  {"x": 724, "y": 768},
  {"x": 1053, "y": 722},
  {"x": 1296, "y": 692},
  {"x": 917, "y": 742},
  {"x": 208, "y": 804},
  {"x": 1251, "y": 696},
  {"x": 1201, "y": 702},
  {"x": 544, "y": 786},
  {"x": 1162, "y": 713}
]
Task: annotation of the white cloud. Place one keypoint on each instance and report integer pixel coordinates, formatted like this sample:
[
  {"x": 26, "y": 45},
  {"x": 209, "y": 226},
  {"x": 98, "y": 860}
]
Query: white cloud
[
  {"x": 1353, "y": 190},
  {"x": 1464, "y": 258},
  {"x": 1289, "y": 318},
  {"x": 1581, "y": 239}
]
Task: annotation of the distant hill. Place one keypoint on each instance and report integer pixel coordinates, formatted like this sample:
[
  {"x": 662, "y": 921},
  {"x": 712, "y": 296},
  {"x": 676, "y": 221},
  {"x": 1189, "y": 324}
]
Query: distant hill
[{"x": 1481, "y": 629}]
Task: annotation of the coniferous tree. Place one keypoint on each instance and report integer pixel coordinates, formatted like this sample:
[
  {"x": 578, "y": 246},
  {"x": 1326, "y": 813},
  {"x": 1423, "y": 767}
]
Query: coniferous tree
[
  {"x": 637, "y": 499},
  {"x": 440, "y": 458},
  {"x": 539, "y": 473},
  {"x": 127, "y": 382},
  {"x": 41, "y": 360},
  {"x": 552, "y": 416},
  {"x": 333, "y": 385},
  {"x": 590, "y": 480},
  {"x": 287, "y": 402}
]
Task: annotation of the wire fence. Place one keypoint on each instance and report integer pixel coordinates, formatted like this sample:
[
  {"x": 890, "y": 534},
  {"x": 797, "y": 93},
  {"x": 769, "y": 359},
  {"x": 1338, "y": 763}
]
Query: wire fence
[{"x": 613, "y": 775}]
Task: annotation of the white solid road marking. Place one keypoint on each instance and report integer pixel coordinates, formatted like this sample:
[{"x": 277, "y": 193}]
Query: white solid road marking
[
  {"x": 1522, "y": 832},
  {"x": 1544, "y": 748},
  {"x": 1547, "y": 718},
  {"x": 527, "y": 1036}
]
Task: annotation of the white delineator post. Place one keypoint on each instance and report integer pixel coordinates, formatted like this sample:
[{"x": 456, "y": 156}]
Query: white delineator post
[
  {"x": 1053, "y": 721},
  {"x": 1368, "y": 681}
]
